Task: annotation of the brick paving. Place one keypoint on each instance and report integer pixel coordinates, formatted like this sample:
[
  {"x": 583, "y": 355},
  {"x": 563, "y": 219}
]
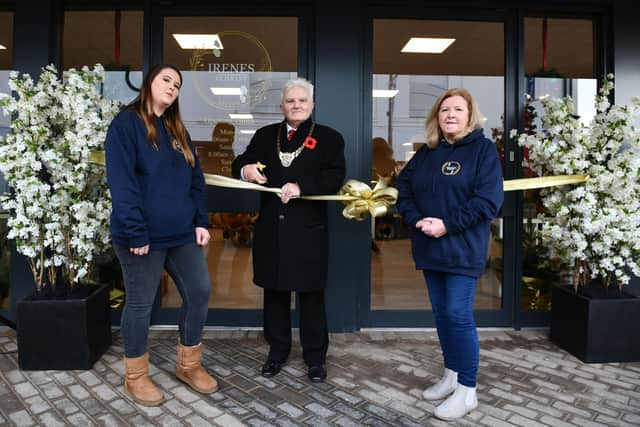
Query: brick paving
[{"x": 375, "y": 378}]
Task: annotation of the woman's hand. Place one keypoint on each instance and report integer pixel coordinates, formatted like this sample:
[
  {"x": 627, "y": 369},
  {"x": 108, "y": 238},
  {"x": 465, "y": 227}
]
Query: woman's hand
[
  {"x": 251, "y": 173},
  {"x": 202, "y": 236},
  {"x": 143, "y": 250},
  {"x": 289, "y": 191},
  {"x": 432, "y": 227}
]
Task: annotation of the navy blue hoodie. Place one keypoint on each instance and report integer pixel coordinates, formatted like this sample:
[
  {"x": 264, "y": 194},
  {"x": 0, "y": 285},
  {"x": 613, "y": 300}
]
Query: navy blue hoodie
[
  {"x": 461, "y": 184},
  {"x": 158, "y": 198}
]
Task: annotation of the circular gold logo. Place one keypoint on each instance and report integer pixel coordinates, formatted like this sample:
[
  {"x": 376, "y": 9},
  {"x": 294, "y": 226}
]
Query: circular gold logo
[
  {"x": 450, "y": 168},
  {"x": 220, "y": 69}
]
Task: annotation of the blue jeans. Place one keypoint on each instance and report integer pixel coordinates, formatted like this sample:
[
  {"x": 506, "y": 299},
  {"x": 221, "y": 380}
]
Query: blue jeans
[
  {"x": 452, "y": 301},
  {"x": 187, "y": 267}
]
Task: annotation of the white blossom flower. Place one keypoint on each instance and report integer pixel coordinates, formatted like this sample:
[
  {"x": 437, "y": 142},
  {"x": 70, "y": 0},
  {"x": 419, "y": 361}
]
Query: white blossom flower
[
  {"x": 59, "y": 204},
  {"x": 595, "y": 226}
]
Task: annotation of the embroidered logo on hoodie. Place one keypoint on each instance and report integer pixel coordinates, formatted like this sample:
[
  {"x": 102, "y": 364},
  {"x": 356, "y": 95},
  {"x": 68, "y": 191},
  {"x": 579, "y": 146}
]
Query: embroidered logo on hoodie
[{"x": 450, "y": 168}]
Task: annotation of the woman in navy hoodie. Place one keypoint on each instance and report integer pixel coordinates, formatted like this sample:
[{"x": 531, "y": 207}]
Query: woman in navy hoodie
[
  {"x": 449, "y": 192},
  {"x": 158, "y": 221}
]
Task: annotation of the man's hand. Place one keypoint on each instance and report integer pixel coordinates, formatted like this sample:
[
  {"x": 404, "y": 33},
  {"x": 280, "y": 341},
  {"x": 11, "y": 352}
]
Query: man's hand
[
  {"x": 251, "y": 173},
  {"x": 289, "y": 191}
]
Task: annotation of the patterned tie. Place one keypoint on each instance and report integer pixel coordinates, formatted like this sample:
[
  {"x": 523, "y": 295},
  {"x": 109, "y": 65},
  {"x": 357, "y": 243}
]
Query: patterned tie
[{"x": 290, "y": 134}]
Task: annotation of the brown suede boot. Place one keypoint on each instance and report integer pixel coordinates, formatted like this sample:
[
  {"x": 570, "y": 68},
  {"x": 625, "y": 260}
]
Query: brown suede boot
[
  {"x": 137, "y": 383},
  {"x": 191, "y": 372}
]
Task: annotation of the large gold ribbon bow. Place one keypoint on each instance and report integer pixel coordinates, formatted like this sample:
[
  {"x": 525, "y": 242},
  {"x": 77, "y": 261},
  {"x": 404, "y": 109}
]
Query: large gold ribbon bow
[{"x": 376, "y": 202}]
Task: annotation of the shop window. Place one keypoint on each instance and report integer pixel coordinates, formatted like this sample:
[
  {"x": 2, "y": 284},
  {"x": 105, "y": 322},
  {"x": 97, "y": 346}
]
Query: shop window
[
  {"x": 559, "y": 61},
  {"x": 111, "y": 38},
  {"x": 6, "y": 64},
  {"x": 6, "y": 61}
]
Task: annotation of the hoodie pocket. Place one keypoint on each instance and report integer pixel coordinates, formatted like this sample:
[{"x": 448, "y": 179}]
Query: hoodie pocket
[{"x": 456, "y": 248}]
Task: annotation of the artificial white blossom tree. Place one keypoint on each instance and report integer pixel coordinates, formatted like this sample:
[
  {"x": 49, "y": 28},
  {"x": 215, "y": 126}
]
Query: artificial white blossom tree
[
  {"x": 595, "y": 226},
  {"x": 59, "y": 202}
]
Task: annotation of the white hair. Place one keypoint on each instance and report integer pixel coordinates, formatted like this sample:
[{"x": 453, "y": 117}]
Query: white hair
[{"x": 298, "y": 82}]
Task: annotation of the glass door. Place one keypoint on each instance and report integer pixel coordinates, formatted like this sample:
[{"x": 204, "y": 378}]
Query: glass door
[
  {"x": 406, "y": 82},
  {"x": 233, "y": 71}
]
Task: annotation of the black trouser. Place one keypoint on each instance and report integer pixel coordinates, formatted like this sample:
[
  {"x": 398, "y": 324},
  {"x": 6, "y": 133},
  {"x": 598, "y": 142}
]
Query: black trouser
[{"x": 313, "y": 325}]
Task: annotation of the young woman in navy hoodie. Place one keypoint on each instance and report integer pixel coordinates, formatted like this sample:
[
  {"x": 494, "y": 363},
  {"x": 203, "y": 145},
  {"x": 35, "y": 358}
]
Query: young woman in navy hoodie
[
  {"x": 449, "y": 192},
  {"x": 158, "y": 221}
]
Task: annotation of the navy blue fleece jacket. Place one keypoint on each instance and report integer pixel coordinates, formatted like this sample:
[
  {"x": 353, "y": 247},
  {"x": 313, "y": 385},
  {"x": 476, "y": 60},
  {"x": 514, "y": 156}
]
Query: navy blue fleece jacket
[
  {"x": 461, "y": 184},
  {"x": 158, "y": 198}
]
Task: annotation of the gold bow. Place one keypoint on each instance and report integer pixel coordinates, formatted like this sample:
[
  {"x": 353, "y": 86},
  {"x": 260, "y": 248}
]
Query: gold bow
[{"x": 376, "y": 202}]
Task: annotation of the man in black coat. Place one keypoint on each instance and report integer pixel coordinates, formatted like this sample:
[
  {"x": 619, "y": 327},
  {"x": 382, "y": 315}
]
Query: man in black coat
[{"x": 290, "y": 243}]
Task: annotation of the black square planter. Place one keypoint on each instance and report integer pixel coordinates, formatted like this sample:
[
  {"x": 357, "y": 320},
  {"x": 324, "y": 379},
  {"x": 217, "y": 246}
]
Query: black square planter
[
  {"x": 63, "y": 334},
  {"x": 596, "y": 329}
]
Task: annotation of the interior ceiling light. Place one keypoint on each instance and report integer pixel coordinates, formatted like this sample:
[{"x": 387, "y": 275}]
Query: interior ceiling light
[
  {"x": 384, "y": 93},
  {"x": 226, "y": 90},
  {"x": 2, "y": 47},
  {"x": 198, "y": 41},
  {"x": 241, "y": 116},
  {"x": 248, "y": 131},
  {"x": 426, "y": 45}
]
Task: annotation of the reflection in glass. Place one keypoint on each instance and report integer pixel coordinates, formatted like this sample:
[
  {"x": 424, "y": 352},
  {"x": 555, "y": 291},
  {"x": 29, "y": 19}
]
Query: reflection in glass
[
  {"x": 559, "y": 61},
  {"x": 229, "y": 91},
  {"x": 229, "y": 259},
  {"x": 5, "y": 120},
  {"x": 411, "y": 83},
  {"x": 122, "y": 85},
  {"x": 6, "y": 64}
]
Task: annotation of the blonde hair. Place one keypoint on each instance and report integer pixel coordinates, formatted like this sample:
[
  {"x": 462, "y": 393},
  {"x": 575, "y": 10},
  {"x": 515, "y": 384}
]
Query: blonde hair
[{"x": 433, "y": 131}]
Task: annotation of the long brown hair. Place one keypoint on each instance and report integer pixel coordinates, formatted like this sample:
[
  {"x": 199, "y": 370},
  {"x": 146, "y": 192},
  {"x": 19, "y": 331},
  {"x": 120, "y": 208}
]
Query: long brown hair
[
  {"x": 476, "y": 119},
  {"x": 143, "y": 106}
]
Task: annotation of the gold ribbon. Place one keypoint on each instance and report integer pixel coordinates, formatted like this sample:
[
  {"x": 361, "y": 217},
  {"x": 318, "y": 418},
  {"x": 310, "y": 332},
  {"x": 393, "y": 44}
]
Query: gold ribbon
[
  {"x": 543, "y": 182},
  {"x": 360, "y": 199},
  {"x": 97, "y": 157}
]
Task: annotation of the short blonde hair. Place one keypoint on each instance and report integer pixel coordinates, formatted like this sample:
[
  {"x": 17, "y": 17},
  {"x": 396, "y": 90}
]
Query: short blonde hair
[{"x": 433, "y": 131}]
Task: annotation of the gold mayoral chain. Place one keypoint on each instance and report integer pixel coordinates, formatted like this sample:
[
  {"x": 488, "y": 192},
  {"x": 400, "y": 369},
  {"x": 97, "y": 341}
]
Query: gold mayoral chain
[{"x": 287, "y": 158}]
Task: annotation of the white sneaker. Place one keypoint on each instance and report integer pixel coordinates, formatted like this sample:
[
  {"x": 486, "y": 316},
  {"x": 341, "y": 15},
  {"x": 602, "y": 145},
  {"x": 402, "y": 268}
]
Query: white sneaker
[
  {"x": 462, "y": 401},
  {"x": 442, "y": 388}
]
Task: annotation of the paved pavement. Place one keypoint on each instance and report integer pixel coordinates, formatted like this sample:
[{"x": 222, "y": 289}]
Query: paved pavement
[{"x": 375, "y": 378}]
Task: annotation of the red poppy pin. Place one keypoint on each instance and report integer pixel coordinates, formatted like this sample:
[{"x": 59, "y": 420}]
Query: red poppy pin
[{"x": 310, "y": 143}]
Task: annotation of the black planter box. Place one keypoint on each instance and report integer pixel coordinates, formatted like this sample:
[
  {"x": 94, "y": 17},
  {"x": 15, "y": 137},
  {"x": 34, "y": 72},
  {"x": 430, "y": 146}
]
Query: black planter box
[
  {"x": 596, "y": 329},
  {"x": 63, "y": 334}
]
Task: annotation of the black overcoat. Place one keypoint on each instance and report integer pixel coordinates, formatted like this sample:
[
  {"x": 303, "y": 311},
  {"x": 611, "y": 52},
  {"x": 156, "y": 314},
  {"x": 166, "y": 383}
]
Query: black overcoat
[{"x": 290, "y": 242}]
